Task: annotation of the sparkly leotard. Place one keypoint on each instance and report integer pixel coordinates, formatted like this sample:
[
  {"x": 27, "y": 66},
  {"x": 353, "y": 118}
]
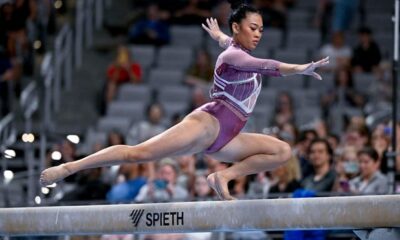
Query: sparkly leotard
[{"x": 237, "y": 84}]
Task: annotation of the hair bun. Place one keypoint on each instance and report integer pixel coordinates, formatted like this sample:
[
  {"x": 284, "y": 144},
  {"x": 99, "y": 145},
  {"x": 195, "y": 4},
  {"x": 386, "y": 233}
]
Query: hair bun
[{"x": 235, "y": 4}]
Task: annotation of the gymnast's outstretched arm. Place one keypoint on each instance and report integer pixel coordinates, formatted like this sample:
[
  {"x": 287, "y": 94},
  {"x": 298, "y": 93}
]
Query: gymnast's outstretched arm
[{"x": 245, "y": 62}]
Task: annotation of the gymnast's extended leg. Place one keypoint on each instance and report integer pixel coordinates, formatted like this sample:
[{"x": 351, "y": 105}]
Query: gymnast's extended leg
[{"x": 193, "y": 134}]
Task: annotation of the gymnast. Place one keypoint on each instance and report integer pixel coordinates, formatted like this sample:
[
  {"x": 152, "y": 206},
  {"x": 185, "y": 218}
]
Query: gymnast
[{"x": 214, "y": 127}]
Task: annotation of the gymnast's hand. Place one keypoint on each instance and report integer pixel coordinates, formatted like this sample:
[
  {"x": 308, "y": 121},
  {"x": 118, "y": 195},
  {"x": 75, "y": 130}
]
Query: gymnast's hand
[
  {"x": 213, "y": 29},
  {"x": 309, "y": 69}
]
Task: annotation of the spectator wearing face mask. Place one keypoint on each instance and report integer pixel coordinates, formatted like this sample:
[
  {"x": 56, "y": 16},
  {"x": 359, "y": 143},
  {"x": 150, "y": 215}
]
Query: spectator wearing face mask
[{"x": 346, "y": 167}]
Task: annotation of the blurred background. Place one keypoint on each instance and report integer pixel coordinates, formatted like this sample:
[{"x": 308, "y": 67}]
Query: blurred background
[{"x": 80, "y": 75}]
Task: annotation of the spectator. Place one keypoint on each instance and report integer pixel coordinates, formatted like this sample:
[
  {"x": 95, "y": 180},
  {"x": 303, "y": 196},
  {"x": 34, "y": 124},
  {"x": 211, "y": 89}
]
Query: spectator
[
  {"x": 398, "y": 146},
  {"x": 151, "y": 29},
  {"x": 357, "y": 136},
  {"x": 286, "y": 177},
  {"x": 222, "y": 12},
  {"x": 323, "y": 177},
  {"x": 122, "y": 70},
  {"x": 239, "y": 187},
  {"x": 134, "y": 177},
  {"x": 274, "y": 13},
  {"x": 201, "y": 72},
  {"x": 346, "y": 167},
  {"x": 198, "y": 98},
  {"x": 194, "y": 13},
  {"x": 322, "y": 18},
  {"x": 339, "y": 53},
  {"x": 283, "y": 109},
  {"x": 301, "y": 148},
  {"x": 321, "y": 128},
  {"x": 148, "y": 128},
  {"x": 15, "y": 17},
  {"x": 89, "y": 187},
  {"x": 371, "y": 180},
  {"x": 259, "y": 187},
  {"x": 380, "y": 140},
  {"x": 9, "y": 76},
  {"x": 343, "y": 93},
  {"x": 114, "y": 137},
  {"x": 366, "y": 55},
  {"x": 187, "y": 173},
  {"x": 343, "y": 14},
  {"x": 164, "y": 187},
  {"x": 201, "y": 190},
  {"x": 129, "y": 178},
  {"x": 288, "y": 133}
]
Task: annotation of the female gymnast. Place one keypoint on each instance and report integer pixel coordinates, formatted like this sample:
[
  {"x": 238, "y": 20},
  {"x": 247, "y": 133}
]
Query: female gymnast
[{"x": 214, "y": 127}]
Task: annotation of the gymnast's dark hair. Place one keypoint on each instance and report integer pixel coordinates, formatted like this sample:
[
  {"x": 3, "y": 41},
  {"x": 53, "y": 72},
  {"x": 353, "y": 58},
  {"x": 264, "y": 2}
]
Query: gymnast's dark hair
[{"x": 239, "y": 11}]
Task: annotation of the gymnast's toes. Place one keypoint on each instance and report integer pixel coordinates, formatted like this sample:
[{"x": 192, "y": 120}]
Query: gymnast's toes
[{"x": 53, "y": 174}]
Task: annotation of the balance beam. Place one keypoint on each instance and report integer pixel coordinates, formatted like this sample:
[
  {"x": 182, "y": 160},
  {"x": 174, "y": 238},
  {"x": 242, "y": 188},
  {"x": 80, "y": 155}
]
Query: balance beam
[{"x": 361, "y": 212}]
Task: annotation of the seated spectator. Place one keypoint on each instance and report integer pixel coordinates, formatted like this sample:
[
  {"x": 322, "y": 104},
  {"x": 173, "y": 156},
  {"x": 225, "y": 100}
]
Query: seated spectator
[
  {"x": 201, "y": 72},
  {"x": 9, "y": 76},
  {"x": 301, "y": 149},
  {"x": 259, "y": 187},
  {"x": 366, "y": 55},
  {"x": 122, "y": 70},
  {"x": 187, "y": 171},
  {"x": 371, "y": 180},
  {"x": 147, "y": 128},
  {"x": 151, "y": 29},
  {"x": 274, "y": 13},
  {"x": 89, "y": 187},
  {"x": 221, "y": 13},
  {"x": 201, "y": 189},
  {"x": 321, "y": 128},
  {"x": 239, "y": 187},
  {"x": 129, "y": 177},
  {"x": 338, "y": 51},
  {"x": 322, "y": 18},
  {"x": 15, "y": 17},
  {"x": 286, "y": 177},
  {"x": 380, "y": 141},
  {"x": 194, "y": 13},
  {"x": 164, "y": 187},
  {"x": 323, "y": 177},
  {"x": 398, "y": 146},
  {"x": 356, "y": 136},
  {"x": 134, "y": 177},
  {"x": 283, "y": 109},
  {"x": 288, "y": 133},
  {"x": 343, "y": 14},
  {"x": 198, "y": 98},
  {"x": 343, "y": 93},
  {"x": 346, "y": 167}
]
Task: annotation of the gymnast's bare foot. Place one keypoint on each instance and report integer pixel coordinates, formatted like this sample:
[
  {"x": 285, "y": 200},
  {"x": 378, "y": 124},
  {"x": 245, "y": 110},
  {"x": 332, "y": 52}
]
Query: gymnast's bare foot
[
  {"x": 54, "y": 174},
  {"x": 220, "y": 186}
]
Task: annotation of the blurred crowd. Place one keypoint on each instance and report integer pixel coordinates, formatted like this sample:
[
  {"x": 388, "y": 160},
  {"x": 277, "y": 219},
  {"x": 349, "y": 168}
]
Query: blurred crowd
[{"x": 25, "y": 26}]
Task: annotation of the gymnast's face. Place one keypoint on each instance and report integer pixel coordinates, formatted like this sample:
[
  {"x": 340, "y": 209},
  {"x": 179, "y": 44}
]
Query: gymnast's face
[{"x": 249, "y": 31}]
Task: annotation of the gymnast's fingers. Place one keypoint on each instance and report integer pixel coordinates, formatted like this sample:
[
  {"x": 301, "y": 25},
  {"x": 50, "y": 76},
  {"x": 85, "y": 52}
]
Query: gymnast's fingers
[{"x": 316, "y": 75}]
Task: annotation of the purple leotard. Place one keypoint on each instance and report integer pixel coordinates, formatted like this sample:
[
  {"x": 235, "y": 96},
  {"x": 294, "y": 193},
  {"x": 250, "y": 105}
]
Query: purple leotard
[{"x": 237, "y": 84}]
